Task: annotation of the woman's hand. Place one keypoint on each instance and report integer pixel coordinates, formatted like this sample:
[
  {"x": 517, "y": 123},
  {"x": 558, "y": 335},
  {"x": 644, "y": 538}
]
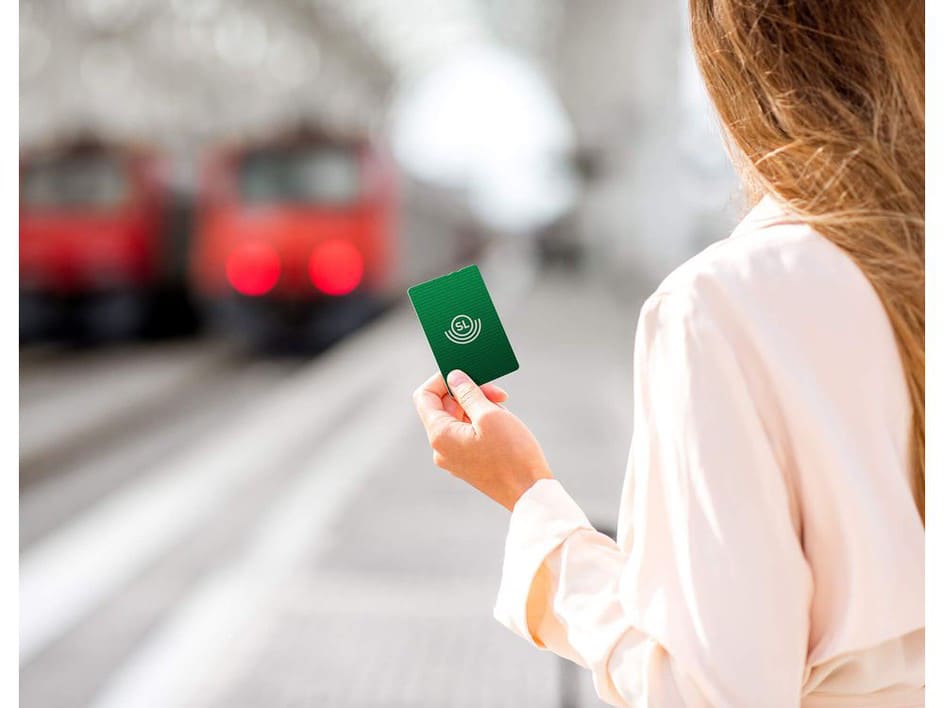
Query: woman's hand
[{"x": 477, "y": 440}]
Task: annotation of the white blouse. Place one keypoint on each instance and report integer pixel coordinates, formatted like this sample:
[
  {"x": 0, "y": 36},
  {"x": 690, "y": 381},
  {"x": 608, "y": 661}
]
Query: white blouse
[{"x": 769, "y": 551}]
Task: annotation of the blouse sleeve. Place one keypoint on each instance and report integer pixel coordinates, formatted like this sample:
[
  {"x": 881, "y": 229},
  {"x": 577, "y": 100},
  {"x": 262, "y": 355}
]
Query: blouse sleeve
[{"x": 706, "y": 602}]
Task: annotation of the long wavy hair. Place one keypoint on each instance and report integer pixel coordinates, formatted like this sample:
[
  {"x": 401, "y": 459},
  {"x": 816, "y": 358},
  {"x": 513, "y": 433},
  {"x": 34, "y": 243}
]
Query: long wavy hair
[{"x": 823, "y": 105}]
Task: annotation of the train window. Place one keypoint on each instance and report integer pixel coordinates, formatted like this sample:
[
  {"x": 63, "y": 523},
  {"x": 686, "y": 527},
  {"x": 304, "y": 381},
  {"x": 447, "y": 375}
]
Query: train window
[
  {"x": 323, "y": 175},
  {"x": 99, "y": 182}
]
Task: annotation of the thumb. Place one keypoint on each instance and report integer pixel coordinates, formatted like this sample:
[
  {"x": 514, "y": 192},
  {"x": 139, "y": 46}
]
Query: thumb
[{"x": 469, "y": 395}]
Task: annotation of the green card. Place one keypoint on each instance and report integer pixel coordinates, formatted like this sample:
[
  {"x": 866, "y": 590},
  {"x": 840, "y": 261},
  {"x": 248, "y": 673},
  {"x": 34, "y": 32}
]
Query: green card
[{"x": 462, "y": 325}]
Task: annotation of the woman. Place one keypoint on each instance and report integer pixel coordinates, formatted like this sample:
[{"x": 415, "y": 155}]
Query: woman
[{"x": 770, "y": 547}]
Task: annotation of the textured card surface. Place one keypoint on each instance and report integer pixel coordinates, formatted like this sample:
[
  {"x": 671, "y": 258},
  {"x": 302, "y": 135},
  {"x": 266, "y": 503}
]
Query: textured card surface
[{"x": 462, "y": 325}]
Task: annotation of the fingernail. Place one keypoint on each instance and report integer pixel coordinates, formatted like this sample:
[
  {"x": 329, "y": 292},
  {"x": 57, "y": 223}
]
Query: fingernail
[{"x": 457, "y": 378}]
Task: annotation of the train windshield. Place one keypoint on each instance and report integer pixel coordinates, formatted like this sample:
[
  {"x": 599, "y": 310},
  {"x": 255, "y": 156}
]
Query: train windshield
[
  {"x": 323, "y": 175},
  {"x": 98, "y": 182}
]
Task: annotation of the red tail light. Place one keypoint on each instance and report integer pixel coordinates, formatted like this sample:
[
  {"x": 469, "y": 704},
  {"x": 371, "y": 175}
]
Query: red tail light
[
  {"x": 253, "y": 268},
  {"x": 336, "y": 267}
]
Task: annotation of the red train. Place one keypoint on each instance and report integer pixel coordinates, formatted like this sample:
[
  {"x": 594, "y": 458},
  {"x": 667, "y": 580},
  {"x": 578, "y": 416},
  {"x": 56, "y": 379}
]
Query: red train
[
  {"x": 96, "y": 250},
  {"x": 296, "y": 237}
]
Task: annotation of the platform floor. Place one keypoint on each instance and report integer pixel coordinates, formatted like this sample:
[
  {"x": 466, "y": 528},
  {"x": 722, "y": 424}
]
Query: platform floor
[{"x": 199, "y": 528}]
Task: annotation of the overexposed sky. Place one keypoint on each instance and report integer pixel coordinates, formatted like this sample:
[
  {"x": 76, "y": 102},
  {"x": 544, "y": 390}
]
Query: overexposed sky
[{"x": 486, "y": 120}]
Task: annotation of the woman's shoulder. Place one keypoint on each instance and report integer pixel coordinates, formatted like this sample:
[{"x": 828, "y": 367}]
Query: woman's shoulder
[
  {"x": 770, "y": 263},
  {"x": 784, "y": 298}
]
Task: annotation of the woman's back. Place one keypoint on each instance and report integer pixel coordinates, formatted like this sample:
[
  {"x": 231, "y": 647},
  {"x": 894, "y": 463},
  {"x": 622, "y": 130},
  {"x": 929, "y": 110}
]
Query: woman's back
[
  {"x": 771, "y": 542},
  {"x": 815, "y": 342},
  {"x": 769, "y": 548}
]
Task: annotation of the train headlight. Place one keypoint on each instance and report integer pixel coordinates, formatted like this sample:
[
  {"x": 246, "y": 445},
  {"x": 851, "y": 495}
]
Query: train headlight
[
  {"x": 336, "y": 267},
  {"x": 253, "y": 268}
]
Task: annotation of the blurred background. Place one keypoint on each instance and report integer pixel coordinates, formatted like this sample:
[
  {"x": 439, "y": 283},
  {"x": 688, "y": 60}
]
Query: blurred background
[{"x": 225, "y": 497}]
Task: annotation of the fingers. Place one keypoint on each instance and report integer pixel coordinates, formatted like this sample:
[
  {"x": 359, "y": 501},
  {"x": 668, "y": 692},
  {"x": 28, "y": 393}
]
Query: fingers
[
  {"x": 429, "y": 404},
  {"x": 436, "y": 386},
  {"x": 452, "y": 407},
  {"x": 469, "y": 395},
  {"x": 494, "y": 393}
]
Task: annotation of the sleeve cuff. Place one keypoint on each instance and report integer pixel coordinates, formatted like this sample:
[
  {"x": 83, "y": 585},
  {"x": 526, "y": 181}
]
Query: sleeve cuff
[{"x": 542, "y": 519}]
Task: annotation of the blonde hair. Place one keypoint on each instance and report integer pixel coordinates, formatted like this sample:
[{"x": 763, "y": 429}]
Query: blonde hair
[{"x": 824, "y": 101}]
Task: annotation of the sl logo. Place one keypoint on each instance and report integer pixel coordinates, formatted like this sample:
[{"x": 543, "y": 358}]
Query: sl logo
[{"x": 463, "y": 329}]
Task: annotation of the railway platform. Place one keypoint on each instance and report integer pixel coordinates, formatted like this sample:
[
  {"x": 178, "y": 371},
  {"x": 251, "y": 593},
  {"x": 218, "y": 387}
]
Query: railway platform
[{"x": 275, "y": 533}]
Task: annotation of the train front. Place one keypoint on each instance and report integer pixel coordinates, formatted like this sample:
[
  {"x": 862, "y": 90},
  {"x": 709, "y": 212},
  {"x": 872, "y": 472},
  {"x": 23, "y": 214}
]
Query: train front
[
  {"x": 92, "y": 251},
  {"x": 296, "y": 239}
]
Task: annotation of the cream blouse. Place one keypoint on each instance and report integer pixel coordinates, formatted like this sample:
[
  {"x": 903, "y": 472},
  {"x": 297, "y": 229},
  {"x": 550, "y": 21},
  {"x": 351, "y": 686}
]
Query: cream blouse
[{"x": 769, "y": 552}]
